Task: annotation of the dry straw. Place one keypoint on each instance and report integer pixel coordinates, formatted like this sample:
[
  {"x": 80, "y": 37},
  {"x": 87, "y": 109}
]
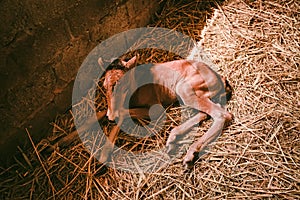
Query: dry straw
[{"x": 257, "y": 46}]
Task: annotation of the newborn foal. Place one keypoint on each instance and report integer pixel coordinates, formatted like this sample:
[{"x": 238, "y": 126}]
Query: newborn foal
[{"x": 197, "y": 85}]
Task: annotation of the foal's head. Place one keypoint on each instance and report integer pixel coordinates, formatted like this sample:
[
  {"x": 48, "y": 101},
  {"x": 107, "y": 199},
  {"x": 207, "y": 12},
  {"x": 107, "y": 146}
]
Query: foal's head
[{"x": 114, "y": 73}]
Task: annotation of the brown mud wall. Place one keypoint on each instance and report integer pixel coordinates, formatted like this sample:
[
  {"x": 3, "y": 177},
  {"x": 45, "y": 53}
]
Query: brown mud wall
[{"x": 42, "y": 46}]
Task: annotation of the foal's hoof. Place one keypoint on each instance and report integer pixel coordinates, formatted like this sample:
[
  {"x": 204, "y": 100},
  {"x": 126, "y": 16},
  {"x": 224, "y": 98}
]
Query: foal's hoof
[
  {"x": 188, "y": 166},
  {"x": 171, "y": 149},
  {"x": 190, "y": 160}
]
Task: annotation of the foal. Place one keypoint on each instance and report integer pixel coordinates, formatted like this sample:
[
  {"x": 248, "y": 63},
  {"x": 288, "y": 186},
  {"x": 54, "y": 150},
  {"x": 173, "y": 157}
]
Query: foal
[{"x": 197, "y": 85}]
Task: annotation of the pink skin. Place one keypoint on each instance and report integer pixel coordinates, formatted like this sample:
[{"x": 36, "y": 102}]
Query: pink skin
[
  {"x": 194, "y": 82},
  {"x": 111, "y": 78}
]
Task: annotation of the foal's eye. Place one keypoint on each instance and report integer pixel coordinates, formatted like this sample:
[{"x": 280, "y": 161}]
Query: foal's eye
[{"x": 113, "y": 86}]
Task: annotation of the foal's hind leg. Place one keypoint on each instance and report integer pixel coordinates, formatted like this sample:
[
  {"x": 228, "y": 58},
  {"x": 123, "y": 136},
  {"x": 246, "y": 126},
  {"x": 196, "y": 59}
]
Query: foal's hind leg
[
  {"x": 203, "y": 104},
  {"x": 220, "y": 116},
  {"x": 182, "y": 129}
]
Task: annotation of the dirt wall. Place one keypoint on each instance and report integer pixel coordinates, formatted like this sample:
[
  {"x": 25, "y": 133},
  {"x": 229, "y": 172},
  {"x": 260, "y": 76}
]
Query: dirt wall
[{"x": 42, "y": 47}]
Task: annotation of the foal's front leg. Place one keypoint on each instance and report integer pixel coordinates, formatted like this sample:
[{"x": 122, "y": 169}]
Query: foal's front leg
[
  {"x": 136, "y": 113},
  {"x": 109, "y": 144}
]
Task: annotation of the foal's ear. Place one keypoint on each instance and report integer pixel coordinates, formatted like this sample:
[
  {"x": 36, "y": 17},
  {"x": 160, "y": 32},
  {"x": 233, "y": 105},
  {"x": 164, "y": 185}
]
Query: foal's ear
[
  {"x": 130, "y": 63},
  {"x": 100, "y": 61}
]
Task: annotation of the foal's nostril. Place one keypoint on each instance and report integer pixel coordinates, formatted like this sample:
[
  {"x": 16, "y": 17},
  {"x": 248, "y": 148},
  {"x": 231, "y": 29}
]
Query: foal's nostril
[{"x": 112, "y": 118}]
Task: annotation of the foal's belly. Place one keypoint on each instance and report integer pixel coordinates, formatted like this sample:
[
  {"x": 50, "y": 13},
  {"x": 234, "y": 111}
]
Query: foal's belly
[{"x": 151, "y": 94}]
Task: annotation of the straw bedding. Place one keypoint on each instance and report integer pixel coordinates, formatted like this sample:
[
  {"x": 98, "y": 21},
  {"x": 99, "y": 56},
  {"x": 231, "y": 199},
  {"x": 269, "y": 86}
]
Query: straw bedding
[{"x": 256, "y": 46}]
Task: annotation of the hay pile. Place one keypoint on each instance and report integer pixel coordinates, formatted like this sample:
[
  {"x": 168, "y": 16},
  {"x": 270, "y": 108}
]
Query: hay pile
[{"x": 256, "y": 45}]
